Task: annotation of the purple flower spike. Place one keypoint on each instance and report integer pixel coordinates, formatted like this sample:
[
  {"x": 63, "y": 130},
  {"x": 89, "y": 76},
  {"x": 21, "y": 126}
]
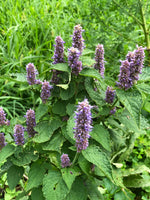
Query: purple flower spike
[
  {"x": 3, "y": 120},
  {"x": 113, "y": 111},
  {"x": 19, "y": 134},
  {"x": 45, "y": 93},
  {"x": 83, "y": 126},
  {"x": 136, "y": 62},
  {"x": 65, "y": 161},
  {"x": 31, "y": 74},
  {"x": 30, "y": 121},
  {"x": 59, "y": 51},
  {"x": 73, "y": 60},
  {"x": 110, "y": 95},
  {"x": 99, "y": 58},
  {"x": 125, "y": 81},
  {"x": 2, "y": 140},
  {"x": 78, "y": 41}
]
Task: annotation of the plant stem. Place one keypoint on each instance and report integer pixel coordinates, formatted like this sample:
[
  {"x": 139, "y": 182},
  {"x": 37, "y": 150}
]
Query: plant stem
[{"x": 75, "y": 158}]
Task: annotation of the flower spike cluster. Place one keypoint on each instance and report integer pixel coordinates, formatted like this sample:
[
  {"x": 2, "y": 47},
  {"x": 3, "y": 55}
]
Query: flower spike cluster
[
  {"x": 99, "y": 58},
  {"x": 78, "y": 41},
  {"x": 31, "y": 74},
  {"x": 19, "y": 134},
  {"x": 110, "y": 95},
  {"x": 3, "y": 120},
  {"x": 73, "y": 60},
  {"x": 65, "y": 161},
  {"x": 131, "y": 68},
  {"x": 2, "y": 140},
  {"x": 45, "y": 93},
  {"x": 30, "y": 121},
  {"x": 59, "y": 51},
  {"x": 83, "y": 126}
]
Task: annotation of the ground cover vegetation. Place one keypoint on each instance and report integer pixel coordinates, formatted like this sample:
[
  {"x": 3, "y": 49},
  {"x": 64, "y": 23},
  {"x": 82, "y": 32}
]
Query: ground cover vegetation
[{"x": 74, "y": 100}]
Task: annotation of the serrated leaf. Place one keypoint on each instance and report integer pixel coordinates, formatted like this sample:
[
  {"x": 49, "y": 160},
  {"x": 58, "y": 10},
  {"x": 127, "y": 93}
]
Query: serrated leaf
[
  {"x": 55, "y": 143},
  {"x": 95, "y": 95},
  {"x": 24, "y": 157},
  {"x": 87, "y": 51},
  {"x": 101, "y": 135},
  {"x": 91, "y": 72},
  {"x": 37, "y": 194},
  {"x": 136, "y": 181},
  {"x": 61, "y": 67},
  {"x": 41, "y": 111},
  {"x": 15, "y": 77},
  {"x": 78, "y": 190},
  {"x": 95, "y": 155},
  {"x": 136, "y": 170},
  {"x": 70, "y": 125},
  {"x": 6, "y": 152},
  {"x": 93, "y": 192},
  {"x": 59, "y": 108},
  {"x": 84, "y": 164},
  {"x": 45, "y": 130},
  {"x": 143, "y": 88},
  {"x": 36, "y": 175},
  {"x": 54, "y": 187},
  {"x": 14, "y": 174},
  {"x": 87, "y": 61},
  {"x": 66, "y": 94},
  {"x": 70, "y": 108},
  {"x": 69, "y": 175},
  {"x": 145, "y": 76},
  {"x": 124, "y": 195},
  {"x": 132, "y": 100}
]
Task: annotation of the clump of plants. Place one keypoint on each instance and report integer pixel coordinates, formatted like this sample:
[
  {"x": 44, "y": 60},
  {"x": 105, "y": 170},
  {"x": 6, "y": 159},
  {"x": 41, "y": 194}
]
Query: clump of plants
[{"x": 72, "y": 144}]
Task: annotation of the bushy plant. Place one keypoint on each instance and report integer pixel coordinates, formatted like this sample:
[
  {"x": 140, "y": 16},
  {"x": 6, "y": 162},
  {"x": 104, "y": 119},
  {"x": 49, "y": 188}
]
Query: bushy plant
[{"x": 71, "y": 143}]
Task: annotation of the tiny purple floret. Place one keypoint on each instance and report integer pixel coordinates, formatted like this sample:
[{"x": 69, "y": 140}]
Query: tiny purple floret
[
  {"x": 19, "y": 134},
  {"x": 65, "y": 161}
]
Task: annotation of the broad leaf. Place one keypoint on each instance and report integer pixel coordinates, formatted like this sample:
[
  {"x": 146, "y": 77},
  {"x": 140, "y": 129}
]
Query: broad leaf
[
  {"x": 61, "y": 67},
  {"x": 37, "y": 194},
  {"x": 132, "y": 100},
  {"x": 101, "y": 135},
  {"x": 145, "y": 76},
  {"x": 6, "y": 152},
  {"x": 55, "y": 143},
  {"x": 24, "y": 157},
  {"x": 41, "y": 111},
  {"x": 78, "y": 190},
  {"x": 95, "y": 95},
  {"x": 54, "y": 187},
  {"x": 69, "y": 175},
  {"x": 36, "y": 175},
  {"x": 91, "y": 72},
  {"x": 70, "y": 125},
  {"x": 14, "y": 174},
  {"x": 59, "y": 108},
  {"x": 66, "y": 94},
  {"x": 45, "y": 130},
  {"x": 95, "y": 155}
]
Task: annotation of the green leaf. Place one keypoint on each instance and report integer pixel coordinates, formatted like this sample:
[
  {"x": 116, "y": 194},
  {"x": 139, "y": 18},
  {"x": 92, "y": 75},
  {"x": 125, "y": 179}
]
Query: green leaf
[
  {"x": 91, "y": 72},
  {"x": 61, "y": 67},
  {"x": 41, "y": 111},
  {"x": 14, "y": 174},
  {"x": 54, "y": 187},
  {"x": 136, "y": 181},
  {"x": 78, "y": 190},
  {"x": 136, "y": 170},
  {"x": 84, "y": 164},
  {"x": 69, "y": 133},
  {"x": 87, "y": 51},
  {"x": 132, "y": 100},
  {"x": 59, "y": 108},
  {"x": 93, "y": 192},
  {"x": 36, "y": 175},
  {"x": 69, "y": 175},
  {"x": 101, "y": 135},
  {"x": 87, "y": 61},
  {"x": 6, "y": 152},
  {"x": 55, "y": 143},
  {"x": 124, "y": 195},
  {"x": 45, "y": 130},
  {"x": 70, "y": 108},
  {"x": 37, "y": 194},
  {"x": 94, "y": 155},
  {"x": 66, "y": 94},
  {"x": 95, "y": 95},
  {"x": 145, "y": 88},
  {"x": 145, "y": 76},
  {"x": 24, "y": 157}
]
